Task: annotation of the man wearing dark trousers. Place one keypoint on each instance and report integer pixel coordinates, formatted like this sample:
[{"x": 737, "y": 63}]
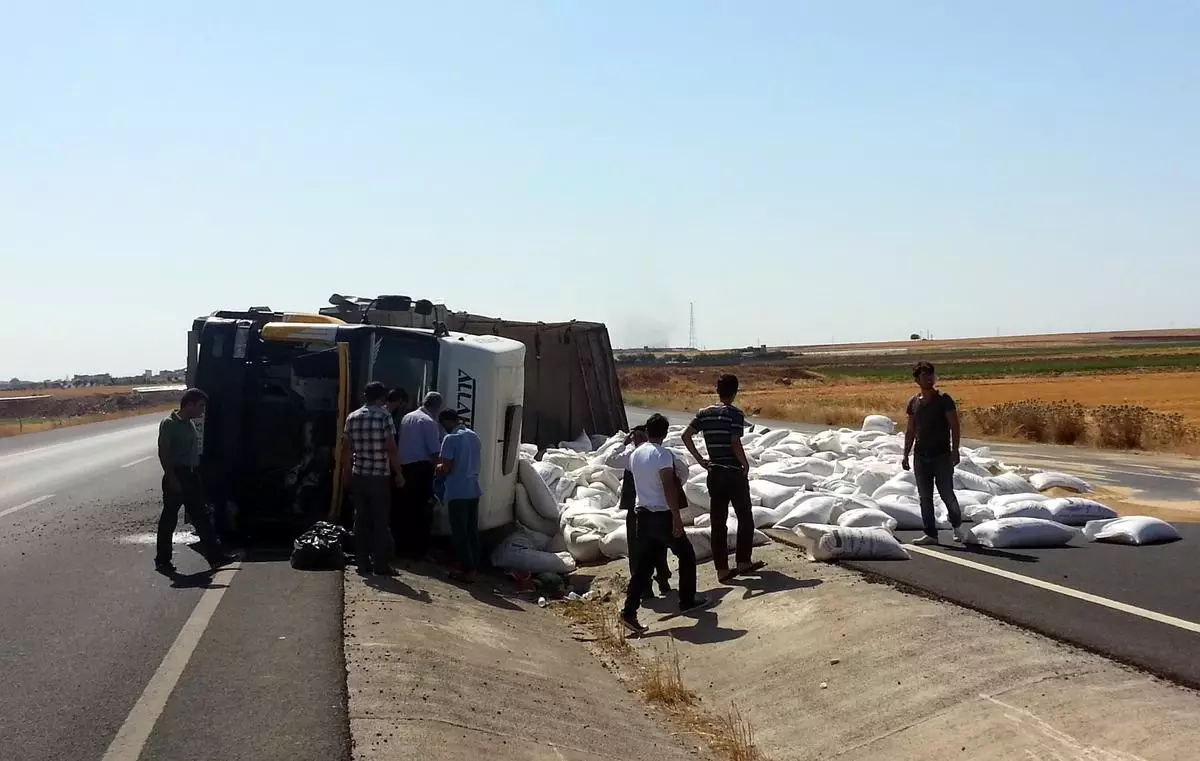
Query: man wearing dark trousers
[
  {"x": 933, "y": 434},
  {"x": 459, "y": 465},
  {"x": 662, "y": 574},
  {"x": 728, "y": 478},
  {"x": 179, "y": 455},
  {"x": 659, "y": 525},
  {"x": 420, "y": 445},
  {"x": 369, "y": 452}
]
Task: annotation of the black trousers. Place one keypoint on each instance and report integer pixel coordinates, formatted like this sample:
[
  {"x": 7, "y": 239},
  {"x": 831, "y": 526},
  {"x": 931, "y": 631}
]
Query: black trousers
[
  {"x": 372, "y": 503},
  {"x": 654, "y": 539},
  {"x": 729, "y": 486},
  {"x": 662, "y": 572},
  {"x": 190, "y": 497},
  {"x": 936, "y": 470},
  {"x": 415, "y": 511}
]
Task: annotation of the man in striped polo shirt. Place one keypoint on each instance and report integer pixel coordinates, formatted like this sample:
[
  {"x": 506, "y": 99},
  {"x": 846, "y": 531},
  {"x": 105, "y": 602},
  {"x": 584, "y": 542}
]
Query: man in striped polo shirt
[{"x": 722, "y": 426}]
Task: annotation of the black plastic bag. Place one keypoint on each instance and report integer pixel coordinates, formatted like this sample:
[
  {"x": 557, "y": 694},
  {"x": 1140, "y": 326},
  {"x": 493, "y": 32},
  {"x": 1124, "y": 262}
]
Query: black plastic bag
[{"x": 320, "y": 548}]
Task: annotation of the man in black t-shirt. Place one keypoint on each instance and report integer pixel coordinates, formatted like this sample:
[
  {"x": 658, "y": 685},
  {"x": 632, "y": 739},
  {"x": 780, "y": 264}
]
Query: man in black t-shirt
[
  {"x": 723, "y": 425},
  {"x": 932, "y": 434}
]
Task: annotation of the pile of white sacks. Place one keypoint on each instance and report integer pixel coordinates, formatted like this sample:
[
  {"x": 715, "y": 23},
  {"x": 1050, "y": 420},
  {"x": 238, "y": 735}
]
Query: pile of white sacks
[{"x": 843, "y": 492}]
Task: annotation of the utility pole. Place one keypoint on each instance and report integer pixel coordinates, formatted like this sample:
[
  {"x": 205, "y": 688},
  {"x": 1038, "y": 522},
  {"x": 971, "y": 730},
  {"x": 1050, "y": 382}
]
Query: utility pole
[{"x": 692, "y": 325}]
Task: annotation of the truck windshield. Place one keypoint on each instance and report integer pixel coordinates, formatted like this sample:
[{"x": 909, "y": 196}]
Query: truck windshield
[{"x": 404, "y": 360}]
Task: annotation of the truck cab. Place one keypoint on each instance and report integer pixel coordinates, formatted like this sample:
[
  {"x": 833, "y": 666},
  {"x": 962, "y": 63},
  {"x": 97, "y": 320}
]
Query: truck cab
[{"x": 281, "y": 384}]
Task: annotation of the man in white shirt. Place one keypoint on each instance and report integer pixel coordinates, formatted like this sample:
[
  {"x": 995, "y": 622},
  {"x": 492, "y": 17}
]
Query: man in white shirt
[
  {"x": 637, "y": 437},
  {"x": 659, "y": 524}
]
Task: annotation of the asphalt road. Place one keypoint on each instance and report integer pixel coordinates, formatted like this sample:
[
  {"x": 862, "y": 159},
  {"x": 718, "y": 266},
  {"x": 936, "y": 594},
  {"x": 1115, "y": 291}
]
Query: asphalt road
[
  {"x": 1139, "y": 589},
  {"x": 87, "y": 624}
]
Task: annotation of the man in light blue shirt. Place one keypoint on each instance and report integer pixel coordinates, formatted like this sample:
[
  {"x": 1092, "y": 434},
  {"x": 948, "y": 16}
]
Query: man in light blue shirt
[
  {"x": 420, "y": 443},
  {"x": 459, "y": 465}
]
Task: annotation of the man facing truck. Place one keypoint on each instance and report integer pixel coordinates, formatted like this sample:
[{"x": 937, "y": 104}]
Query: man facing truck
[
  {"x": 369, "y": 450},
  {"x": 420, "y": 445}
]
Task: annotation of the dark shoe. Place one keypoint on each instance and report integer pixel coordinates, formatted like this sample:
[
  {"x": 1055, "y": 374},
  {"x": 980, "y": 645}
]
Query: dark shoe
[
  {"x": 649, "y": 595},
  {"x": 363, "y": 570},
  {"x": 632, "y": 625},
  {"x": 166, "y": 569},
  {"x": 698, "y": 603},
  {"x": 461, "y": 577},
  {"x": 386, "y": 571},
  {"x": 664, "y": 588},
  {"x": 222, "y": 560},
  {"x": 754, "y": 567}
]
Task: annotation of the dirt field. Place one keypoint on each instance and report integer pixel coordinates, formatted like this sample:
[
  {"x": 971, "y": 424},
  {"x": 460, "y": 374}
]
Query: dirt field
[
  {"x": 791, "y": 393},
  {"x": 66, "y": 407}
]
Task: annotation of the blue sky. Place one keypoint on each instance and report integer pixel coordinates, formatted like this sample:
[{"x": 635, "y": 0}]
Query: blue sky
[{"x": 804, "y": 172}]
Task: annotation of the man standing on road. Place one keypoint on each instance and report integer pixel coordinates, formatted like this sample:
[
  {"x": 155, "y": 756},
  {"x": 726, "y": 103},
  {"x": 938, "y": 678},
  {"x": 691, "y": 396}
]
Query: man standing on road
[
  {"x": 179, "y": 455},
  {"x": 420, "y": 445},
  {"x": 728, "y": 482},
  {"x": 369, "y": 447},
  {"x": 933, "y": 434},
  {"x": 459, "y": 465},
  {"x": 637, "y": 437},
  {"x": 659, "y": 525}
]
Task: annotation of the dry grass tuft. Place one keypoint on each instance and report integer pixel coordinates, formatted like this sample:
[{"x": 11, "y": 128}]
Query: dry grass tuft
[
  {"x": 601, "y": 619},
  {"x": 663, "y": 680},
  {"x": 734, "y": 737}
]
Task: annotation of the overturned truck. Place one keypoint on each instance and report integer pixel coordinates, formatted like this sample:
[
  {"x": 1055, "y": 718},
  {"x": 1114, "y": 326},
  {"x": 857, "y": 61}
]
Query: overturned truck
[{"x": 571, "y": 384}]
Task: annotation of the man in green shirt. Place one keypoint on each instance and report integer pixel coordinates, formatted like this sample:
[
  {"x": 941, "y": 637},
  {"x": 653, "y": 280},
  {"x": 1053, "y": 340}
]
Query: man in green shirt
[{"x": 179, "y": 455}]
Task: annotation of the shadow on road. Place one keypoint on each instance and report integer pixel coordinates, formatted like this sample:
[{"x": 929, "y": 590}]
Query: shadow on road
[
  {"x": 766, "y": 582},
  {"x": 394, "y": 586},
  {"x": 201, "y": 580},
  {"x": 975, "y": 549}
]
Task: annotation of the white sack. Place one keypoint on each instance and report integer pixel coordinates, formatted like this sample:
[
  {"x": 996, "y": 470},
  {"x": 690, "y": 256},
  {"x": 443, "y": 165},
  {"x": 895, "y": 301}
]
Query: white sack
[
  {"x": 583, "y": 544},
  {"x": 809, "y": 508},
  {"x": 528, "y": 451},
  {"x": 581, "y": 444},
  {"x": 540, "y": 496},
  {"x": 607, "y": 498},
  {"x": 565, "y": 459},
  {"x": 530, "y": 518},
  {"x": 1077, "y": 511},
  {"x": 765, "y": 517},
  {"x": 548, "y": 471},
  {"x": 1029, "y": 508},
  {"x": 1008, "y": 499},
  {"x": 564, "y": 488},
  {"x": 1009, "y": 483},
  {"x": 799, "y": 480},
  {"x": 609, "y": 478},
  {"x": 616, "y": 544},
  {"x": 867, "y": 517},
  {"x": 1131, "y": 529},
  {"x": 896, "y": 487},
  {"x": 965, "y": 479},
  {"x": 771, "y": 438},
  {"x": 847, "y": 543},
  {"x": 1020, "y": 533},
  {"x": 771, "y": 494},
  {"x": 516, "y": 552},
  {"x": 881, "y": 423},
  {"x": 1055, "y": 480},
  {"x": 907, "y": 512}
]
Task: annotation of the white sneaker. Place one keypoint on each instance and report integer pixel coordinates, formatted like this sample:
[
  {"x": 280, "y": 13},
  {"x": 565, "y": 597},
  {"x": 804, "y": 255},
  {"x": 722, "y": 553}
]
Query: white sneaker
[
  {"x": 925, "y": 539},
  {"x": 961, "y": 535}
]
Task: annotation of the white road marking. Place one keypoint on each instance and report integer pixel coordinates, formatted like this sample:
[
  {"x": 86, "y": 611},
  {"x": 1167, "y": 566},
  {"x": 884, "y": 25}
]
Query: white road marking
[
  {"x": 1151, "y": 615},
  {"x": 132, "y": 737},
  {"x": 23, "y": 505},
  {"x": 138, "y": 461}
]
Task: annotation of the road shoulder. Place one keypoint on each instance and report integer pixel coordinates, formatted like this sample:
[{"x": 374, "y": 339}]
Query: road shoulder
[
  {"x": 443, "y": 673},
  {"x": 826, "y": 665}
]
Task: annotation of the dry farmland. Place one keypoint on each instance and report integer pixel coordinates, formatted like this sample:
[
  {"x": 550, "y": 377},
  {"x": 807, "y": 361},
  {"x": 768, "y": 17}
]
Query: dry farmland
[
  {"x": 56, "y": 408},
  {"x": 1124, "y": 396}
]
